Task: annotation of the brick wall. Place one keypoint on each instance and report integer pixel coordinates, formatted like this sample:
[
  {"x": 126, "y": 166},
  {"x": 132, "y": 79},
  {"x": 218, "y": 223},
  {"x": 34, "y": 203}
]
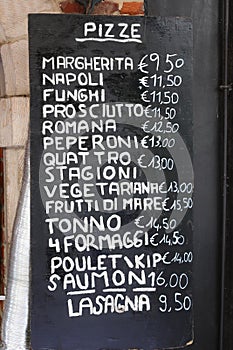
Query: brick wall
[{"x": 106, "y": 7}]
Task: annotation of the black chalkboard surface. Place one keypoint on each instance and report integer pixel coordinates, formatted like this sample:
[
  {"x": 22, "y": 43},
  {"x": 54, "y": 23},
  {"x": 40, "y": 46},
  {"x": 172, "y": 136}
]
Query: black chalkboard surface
[{"x": 111, "y": 182}]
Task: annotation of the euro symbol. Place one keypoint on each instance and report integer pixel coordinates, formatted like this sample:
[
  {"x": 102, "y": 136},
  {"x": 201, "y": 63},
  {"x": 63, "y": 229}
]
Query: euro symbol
[
  {"x": 144, "y": 96},
  {"x": 164, "y": 204},
  {"x": 144, "y": 81},
  {"x": 144, "y": 142},
  {"x": 137, "y": 221},
  {"x": 142, "y": 65}
]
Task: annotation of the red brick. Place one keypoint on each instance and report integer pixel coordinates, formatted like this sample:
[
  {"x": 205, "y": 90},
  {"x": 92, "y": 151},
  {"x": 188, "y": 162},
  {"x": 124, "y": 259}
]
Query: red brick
[
  {"x": 70, "y": 7},
  {"x": 106, "y": 8},
  {"x": 132, "y": 8}
]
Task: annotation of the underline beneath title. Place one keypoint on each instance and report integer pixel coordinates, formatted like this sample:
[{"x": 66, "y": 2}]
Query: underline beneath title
[{"x": 109, "y": 39}]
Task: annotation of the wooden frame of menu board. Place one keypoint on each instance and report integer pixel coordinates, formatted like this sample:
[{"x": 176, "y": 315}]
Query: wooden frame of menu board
[{"x": 111, "y": 182}]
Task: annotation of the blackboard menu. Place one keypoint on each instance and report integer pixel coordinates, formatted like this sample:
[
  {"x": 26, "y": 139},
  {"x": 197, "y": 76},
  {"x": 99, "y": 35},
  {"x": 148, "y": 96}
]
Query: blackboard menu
[{"x": 111, "y": 182}]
